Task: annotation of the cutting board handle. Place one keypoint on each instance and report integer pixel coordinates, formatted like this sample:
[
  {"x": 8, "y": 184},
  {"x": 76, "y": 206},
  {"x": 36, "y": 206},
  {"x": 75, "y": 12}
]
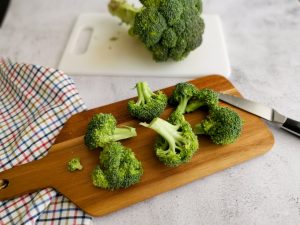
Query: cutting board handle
[
  {"x": 50, "y": 171},
  {"x": 24, "y": 179}
]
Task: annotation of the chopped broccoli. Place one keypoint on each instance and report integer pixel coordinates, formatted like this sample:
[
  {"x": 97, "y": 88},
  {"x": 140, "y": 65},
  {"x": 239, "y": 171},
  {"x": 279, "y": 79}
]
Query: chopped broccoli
[
  {"x": 203, "y": 97},
  {"x": 102, "y": 130},
  {"x": 74, "y": 164},
  {"x": 223, "y": 125},
  {"x": 182, "y": 94},
  {"x": 119, "y": 168},
  {"x": 177, "y": 143},
  {"x": 149, "y": 105},
  {"x": 170, "y": 29}
]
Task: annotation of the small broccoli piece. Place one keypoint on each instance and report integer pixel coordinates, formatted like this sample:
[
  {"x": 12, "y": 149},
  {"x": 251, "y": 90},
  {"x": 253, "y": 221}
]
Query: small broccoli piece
[
  {"x": 113, "y": 38},
  {"x": 119, "y": 168},
  {"x": 177, "y": 143},
  {"x": 149, "y": 105},
  {"x": 203, "y": 97},
  {"x": 182, "y": 94},
  {"x": 223, "y": 125},
  {"x": 74, "y": 164},
  {"x": 102, "y": 130},
  {"x": 170, "y": 29}
]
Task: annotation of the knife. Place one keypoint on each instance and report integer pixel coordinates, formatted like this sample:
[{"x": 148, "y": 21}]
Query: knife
[{"x": 264, "y": 112}]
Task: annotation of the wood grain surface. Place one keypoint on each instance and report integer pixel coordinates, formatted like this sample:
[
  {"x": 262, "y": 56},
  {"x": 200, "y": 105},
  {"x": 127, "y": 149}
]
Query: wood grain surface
[{"x": 51, "y": 171}]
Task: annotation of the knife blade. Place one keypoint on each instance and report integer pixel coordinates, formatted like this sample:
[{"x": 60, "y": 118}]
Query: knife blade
[{"x": 263, "y": 111}]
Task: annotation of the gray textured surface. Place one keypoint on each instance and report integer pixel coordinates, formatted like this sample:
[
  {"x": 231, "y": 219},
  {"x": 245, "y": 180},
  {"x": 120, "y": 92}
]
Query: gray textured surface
[{"x": 264, "y": 50}]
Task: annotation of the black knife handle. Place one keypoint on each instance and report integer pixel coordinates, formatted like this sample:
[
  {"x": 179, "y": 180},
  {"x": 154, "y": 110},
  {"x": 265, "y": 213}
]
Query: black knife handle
[
  {"x": 292, "y": 126},
  {"x": 3, "y": 9}
]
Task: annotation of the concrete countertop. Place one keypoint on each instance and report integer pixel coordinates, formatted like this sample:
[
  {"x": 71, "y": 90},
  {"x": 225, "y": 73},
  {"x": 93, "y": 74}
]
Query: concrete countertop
[{"x": 263, "y": 46}]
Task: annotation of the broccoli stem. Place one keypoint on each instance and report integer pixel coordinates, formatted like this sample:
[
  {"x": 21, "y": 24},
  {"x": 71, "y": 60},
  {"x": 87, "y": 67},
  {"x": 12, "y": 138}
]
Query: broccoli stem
[
  {"x": 144, "y": 93},
  {"x": 193, "y": 105},
  {"x": 168, "y": 131},
  {"x": 123, "y": 10},
  {"x": 203, "y": 127},
  {"x": 182, "y": 105},
  {"x": 125, "y": 132}
]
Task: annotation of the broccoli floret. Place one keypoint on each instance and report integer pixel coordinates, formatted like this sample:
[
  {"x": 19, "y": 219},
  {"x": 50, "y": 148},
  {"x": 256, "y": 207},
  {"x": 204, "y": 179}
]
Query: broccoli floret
[
  {"x": 170, "y": 29},
  {"x": 223, "y": 125},
  {"x": 74, "y": 164},
  {"x": 119, "y": 168},
  {"x": 203, "y": 97},
  {"x": 182, "y": 94},
  {"x": 177, "y": 143},
  {"x": 149, "y": 105},
  {"x": 102, "y": 130}
]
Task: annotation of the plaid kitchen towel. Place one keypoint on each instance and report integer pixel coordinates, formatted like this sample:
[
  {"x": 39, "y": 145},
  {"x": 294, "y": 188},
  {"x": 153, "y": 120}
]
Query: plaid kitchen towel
[{"x": 35, "y": 102}]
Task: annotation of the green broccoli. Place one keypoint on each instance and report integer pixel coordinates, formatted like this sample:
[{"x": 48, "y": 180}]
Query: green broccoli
[
  {"x": 102, "y": 130},
  {"x": 74, "y": 164},
  {"x": 182, "y": 94},
  {"x": 177, "y": 143},
  {"x": 203, "y": 97},
  {"x": 119, "y": 168},
  {"x": 170, "y": 29},
  {"x": 223, "y": 125},
  {"x": 149, "y": 105}
]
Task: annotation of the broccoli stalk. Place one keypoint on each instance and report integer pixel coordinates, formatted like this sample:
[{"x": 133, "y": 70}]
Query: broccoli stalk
[
  {"x": 183, "y": 93},
  {"x": 169, "y": 132},
  {"x": 149, "y": 104},
  {"x": 102, "y": 130},
  {"x": 181, "y": 108},
  {"x": 123, "y": 10},
  {"x": 203, "y": 97},
  {"x": 121, "y": 133},
  {"x": 144, "y": 93},
  {"x": 193, "y": 105}
]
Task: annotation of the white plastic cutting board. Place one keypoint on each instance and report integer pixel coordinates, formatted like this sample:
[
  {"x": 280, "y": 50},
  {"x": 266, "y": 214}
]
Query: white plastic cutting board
[{"x": 126, "y": 56}]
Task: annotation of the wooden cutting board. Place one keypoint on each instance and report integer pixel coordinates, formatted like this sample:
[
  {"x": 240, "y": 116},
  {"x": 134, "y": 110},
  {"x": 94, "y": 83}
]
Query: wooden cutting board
[{"x": 51, "y": 171}]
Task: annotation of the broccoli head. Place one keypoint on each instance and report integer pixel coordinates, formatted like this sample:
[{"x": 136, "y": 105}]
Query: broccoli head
[
  {"x": 223, "y": 125},
  {"x": 74, "y": 164},
  {"x": 182, "y": 94},
  {"x": 170, "y": 29},
  {"x": 102, "y": 130},
  {"x": 119, "y": 168},
  {"x": 149, "y": 105},
  {"x": 177, "y": 143},
  {"x": 203, "y": 97}
]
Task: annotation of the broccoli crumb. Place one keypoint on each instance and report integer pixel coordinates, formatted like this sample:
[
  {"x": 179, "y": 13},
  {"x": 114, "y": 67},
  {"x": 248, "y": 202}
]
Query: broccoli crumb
[
  {"x": 74, "y": 164},
  {"x": 113, "y": 38}
]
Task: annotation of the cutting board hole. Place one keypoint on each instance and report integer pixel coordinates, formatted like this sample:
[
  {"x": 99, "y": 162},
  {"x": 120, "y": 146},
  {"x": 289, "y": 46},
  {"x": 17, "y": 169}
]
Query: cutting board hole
[
  {"x": 3, "y": 184},
  {"x": 83, "y": 41}
]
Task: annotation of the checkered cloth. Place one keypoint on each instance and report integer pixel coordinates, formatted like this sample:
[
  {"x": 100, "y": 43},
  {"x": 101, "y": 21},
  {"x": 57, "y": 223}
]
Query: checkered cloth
[{"x": 35, "y": 102}]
